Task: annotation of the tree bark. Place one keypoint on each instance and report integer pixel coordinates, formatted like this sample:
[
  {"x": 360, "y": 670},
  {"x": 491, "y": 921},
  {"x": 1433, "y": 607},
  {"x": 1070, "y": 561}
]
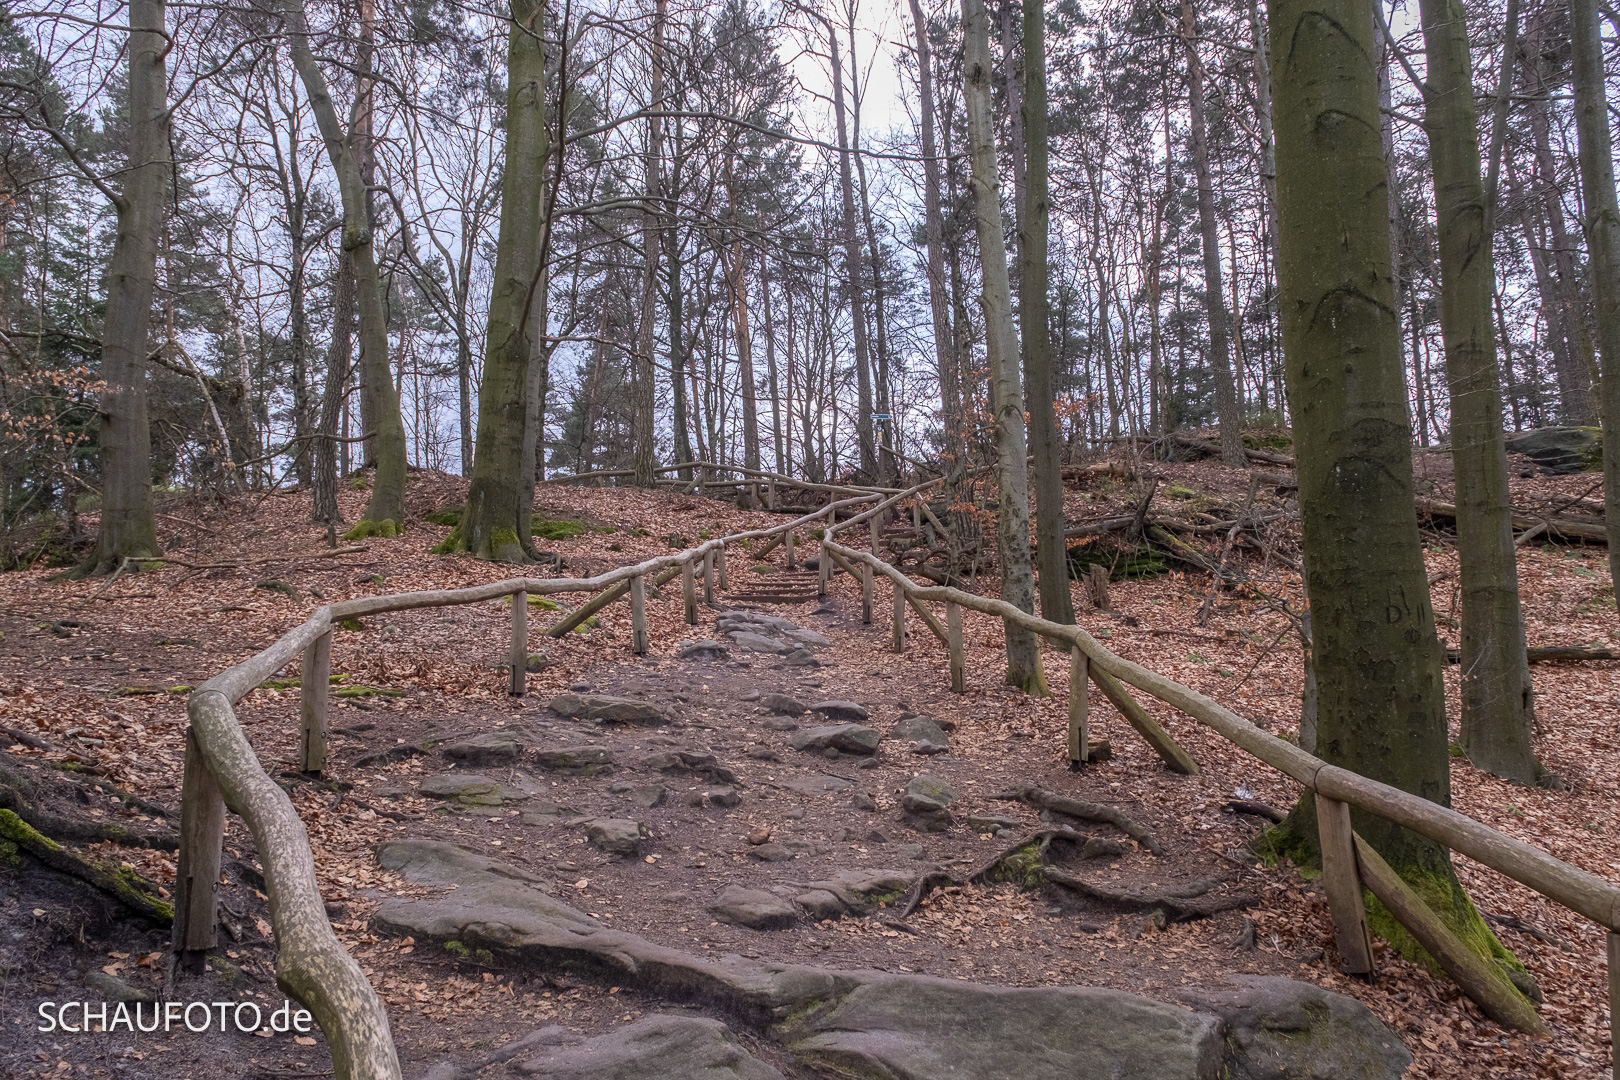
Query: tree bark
[
  {"x": 385, "y": 513},
  {"x": 1498, "y": 714},
  {"x": 325, "y": 478},
  {"x": 128, "y": 523},
  {"x": 1227, "y": 407},
  {"x": 852, "y": 272},
  {"x": 1007, "y": 399},
  {"x": 934, "y": 232},
  {"x": 1381, "y": 710},
  {"x": 1034, "y": 316},
  {"x": 651, "y": 242},
  {"x": 496, "y": 522},
  {"x": 1602, "y": 226}
]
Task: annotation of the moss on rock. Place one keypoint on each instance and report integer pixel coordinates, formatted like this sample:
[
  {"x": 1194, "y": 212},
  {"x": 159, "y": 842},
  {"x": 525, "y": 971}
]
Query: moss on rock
[{"x": 365, "y": 528}]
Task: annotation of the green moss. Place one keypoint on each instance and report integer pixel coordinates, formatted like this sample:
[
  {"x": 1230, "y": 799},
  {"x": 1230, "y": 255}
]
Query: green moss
[
  {"x": 358, "y": 483},
  {"x": 544, "y": 603},
  {"x": 8, "y": 853},
  {"x": 676, "y": 541},
  {"x": 1143, "y": 562},
  {"x": 1457, "y": 911},
  {"x": 386, "y": 529},
  {"x": 449, "y": 545},
  {"x": 281, "y": 684},
  {"x": 67, "y": 766},
  {"x": 352, "y": 625},
  {"x": 763, "y": 568},
  {"x": 1274, "y": 441},
  {"x": 1176, "y": 491},
  {"x": 558, "y": 529},
  {"x": 183, "y": 688},
  {"x": 18, "y": 832},
  {"x": 367, "y": 691},
  {"x": 1023, "y": 867},
  {"x": 229, "y": 973}
]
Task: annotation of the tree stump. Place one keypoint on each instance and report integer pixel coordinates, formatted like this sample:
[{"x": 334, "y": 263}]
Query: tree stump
[{"x": 1097, "y": 587}]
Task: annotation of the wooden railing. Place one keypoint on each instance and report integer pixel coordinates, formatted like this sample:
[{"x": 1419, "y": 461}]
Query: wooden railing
[
  {"x": 222, "y": 772},
  {"x": 1348, "y": 862}
]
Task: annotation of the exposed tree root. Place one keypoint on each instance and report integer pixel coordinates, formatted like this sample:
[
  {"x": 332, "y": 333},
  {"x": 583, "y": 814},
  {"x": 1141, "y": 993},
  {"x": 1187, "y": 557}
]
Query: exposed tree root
[
  {"x": 14, "y": 791},
  {"x": 127, "y": 887},
  {"x": 1087, "y": 811},
  {"x": 1180, "y": 902}
]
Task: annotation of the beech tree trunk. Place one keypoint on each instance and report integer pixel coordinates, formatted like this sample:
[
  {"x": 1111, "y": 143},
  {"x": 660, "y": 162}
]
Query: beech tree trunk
[
  {"x": 323, "y": 482},
  {"x": 1034, "y": 316},
  {"x": 1227, "y": 408},
  {"x": 495, "y": 524},
  {"x": 852, "y": 272},
  {"x": 385, "y": 513},
  {"x": 1381, "y": 710},
  {"x": 128, "y": 527},
  {"x": 1602, "y": 227},
  {"x": 651, "y": 242},
  {"x": 934, "y": 231},
  {"x": 1001, "y": 343},
  {"x": 1498, "y": 714}
]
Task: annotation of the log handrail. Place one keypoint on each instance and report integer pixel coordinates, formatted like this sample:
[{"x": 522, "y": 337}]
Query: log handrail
[
  {"x": 1576, "y": 889},
  {"x": 312, "y": 965}
]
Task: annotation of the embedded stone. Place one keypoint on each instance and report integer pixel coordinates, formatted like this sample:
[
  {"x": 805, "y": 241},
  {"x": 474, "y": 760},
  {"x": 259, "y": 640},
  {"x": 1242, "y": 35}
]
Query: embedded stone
[
  {"x": 603, "y": 709},
  {"x": 847, "y": 738},
  {"x": 584, "y": 760},
  {"x": 922, "y": 734},
  {"x": 616, "y": 836},
  {"x": 754, "y": 908},
  {"x": 782, "y": 703},
  {"x": 845, "y": 711}
]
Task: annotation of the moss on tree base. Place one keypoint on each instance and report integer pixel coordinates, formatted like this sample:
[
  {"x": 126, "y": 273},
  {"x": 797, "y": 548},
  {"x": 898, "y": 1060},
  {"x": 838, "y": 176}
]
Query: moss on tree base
[
  {"x": 502, "y": 546},
  {"x": 366, "y": 528}
]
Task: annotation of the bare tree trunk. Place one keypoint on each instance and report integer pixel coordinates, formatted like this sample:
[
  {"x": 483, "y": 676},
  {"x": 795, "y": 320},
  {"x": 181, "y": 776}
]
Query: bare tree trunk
[
  {"x": 939, "y": 306},
  {"x": 1035, "y": 316},
  {"x": 770, "y": 363},
  {"x": 385, "y": 514},
  {"x": 1227, "y": 407},
  {"x": 1498, "y": 714},
  {"x": 852, "y": 271},
  {"x": 1017, "y": 575},
  {"x": 1381, "y": 711},
  {"x": 128, "y": 524},
  {"x": 1602, "y": 226},
  {"x": 325, "y": 478},
  {"x": 651, "y": 242}
]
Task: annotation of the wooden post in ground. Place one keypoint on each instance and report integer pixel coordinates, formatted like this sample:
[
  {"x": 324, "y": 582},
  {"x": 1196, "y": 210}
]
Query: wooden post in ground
[
  {"x": 899, "y": 619},
  {"x": 313, "y": 689},
  {"x": 1614, "y": 1002},
  {"x": 1342, "y": 883},
  {"x": 1097, "y": 587},
  {"x": 823, "y": 570},
  {"x": 720, "y": 562},
  {"x": 1079, "y": 707},
  {"x": 1171, "y": 752},
  {"x": 789, "y": 542},
  {"x": 916, "y": 514},
  {"x": 517, "y": 653},
  {"x": 202, "y": 832},
  {"x": 708, "y": 577},
  {"x": 770, "y": 493},
  {"x": 689, "y": 592},
  {"x": 866, "y": 594},
  {"x": 953, "y": 631},
  {"x": 638, "y": 615}
]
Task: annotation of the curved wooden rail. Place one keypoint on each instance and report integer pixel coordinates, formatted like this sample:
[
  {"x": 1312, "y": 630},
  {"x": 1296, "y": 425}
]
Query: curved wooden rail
[
  {"x": 1576, "y": 889},
  {"x": 223, "y": 772}
]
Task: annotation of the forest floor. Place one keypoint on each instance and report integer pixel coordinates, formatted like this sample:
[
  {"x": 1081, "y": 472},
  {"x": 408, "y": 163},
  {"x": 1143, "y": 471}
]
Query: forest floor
[{"x": 99, "y": 673}]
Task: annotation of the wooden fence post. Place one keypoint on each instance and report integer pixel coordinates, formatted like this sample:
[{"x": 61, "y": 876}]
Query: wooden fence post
[
  {"x": 953, "y": 630},
  {"x": 638, "y": 615},
  {"x": 899, "y": 619},
  {"x": 789, "y": 543},
  {"x": 1342, "y": 883},
  {"x": 689, "y": 592},
  {"x": 866, "y": 594},
  {"x": 823, "y": 569},
  {"x": 708, "y": 577},
  {"x": 202, "y": 832},
  {"x": 1614, "y": 1001},
  {"x": 720, "y": 562},
  {"x": 517, "y": 654},
  {"x": 1079, "y": 707},
  {"x": 770, "y": 493},
  {"x": 916, "y": 513},
  {"x": 314, "y": 683}
]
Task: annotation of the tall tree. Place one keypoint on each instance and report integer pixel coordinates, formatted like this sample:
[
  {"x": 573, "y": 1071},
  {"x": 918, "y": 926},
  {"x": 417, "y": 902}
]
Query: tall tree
[
  {"x": 934, "y": 231},
  {"x": 1034, "y": 314},
  {"x": 128, "y": 522},
  {"x": 1498, "y": 714},
  {"x": 496, "y": 522},
  {"x": 1001, "y": 343},
  {"x": 1228, "y": 409},
  {"x": 385, "y": 512},
  {"x": 651, "y": 245},
  {"x": 1381, "y": 710},
  {"x": 1602, "y": 227}
]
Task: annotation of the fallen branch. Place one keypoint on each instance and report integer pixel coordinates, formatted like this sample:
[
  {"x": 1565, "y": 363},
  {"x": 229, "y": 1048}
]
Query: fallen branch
[
  {"x": 255, "y": 562},
  {"x": 1209, "y": 446},
  {"x": 1544, "y": 654},
  {"x": 1181, "y": 902},
  {"x": 1591, "y": 532},
  {"x": 1087, "y": 811}
]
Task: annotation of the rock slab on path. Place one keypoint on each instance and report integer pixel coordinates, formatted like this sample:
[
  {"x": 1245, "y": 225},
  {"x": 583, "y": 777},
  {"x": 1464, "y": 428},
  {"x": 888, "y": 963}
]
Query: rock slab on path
[
  {"x": 904, "y": 1027},
  {"x": 604, "y": 709},
  {"x": 753, "y": 908},
  {"x": 922, "y": 734},
  {"x": 847, "y": 738},
  {"x": 490, "y": 748},
  {"x": 657, "y": 1047}
]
